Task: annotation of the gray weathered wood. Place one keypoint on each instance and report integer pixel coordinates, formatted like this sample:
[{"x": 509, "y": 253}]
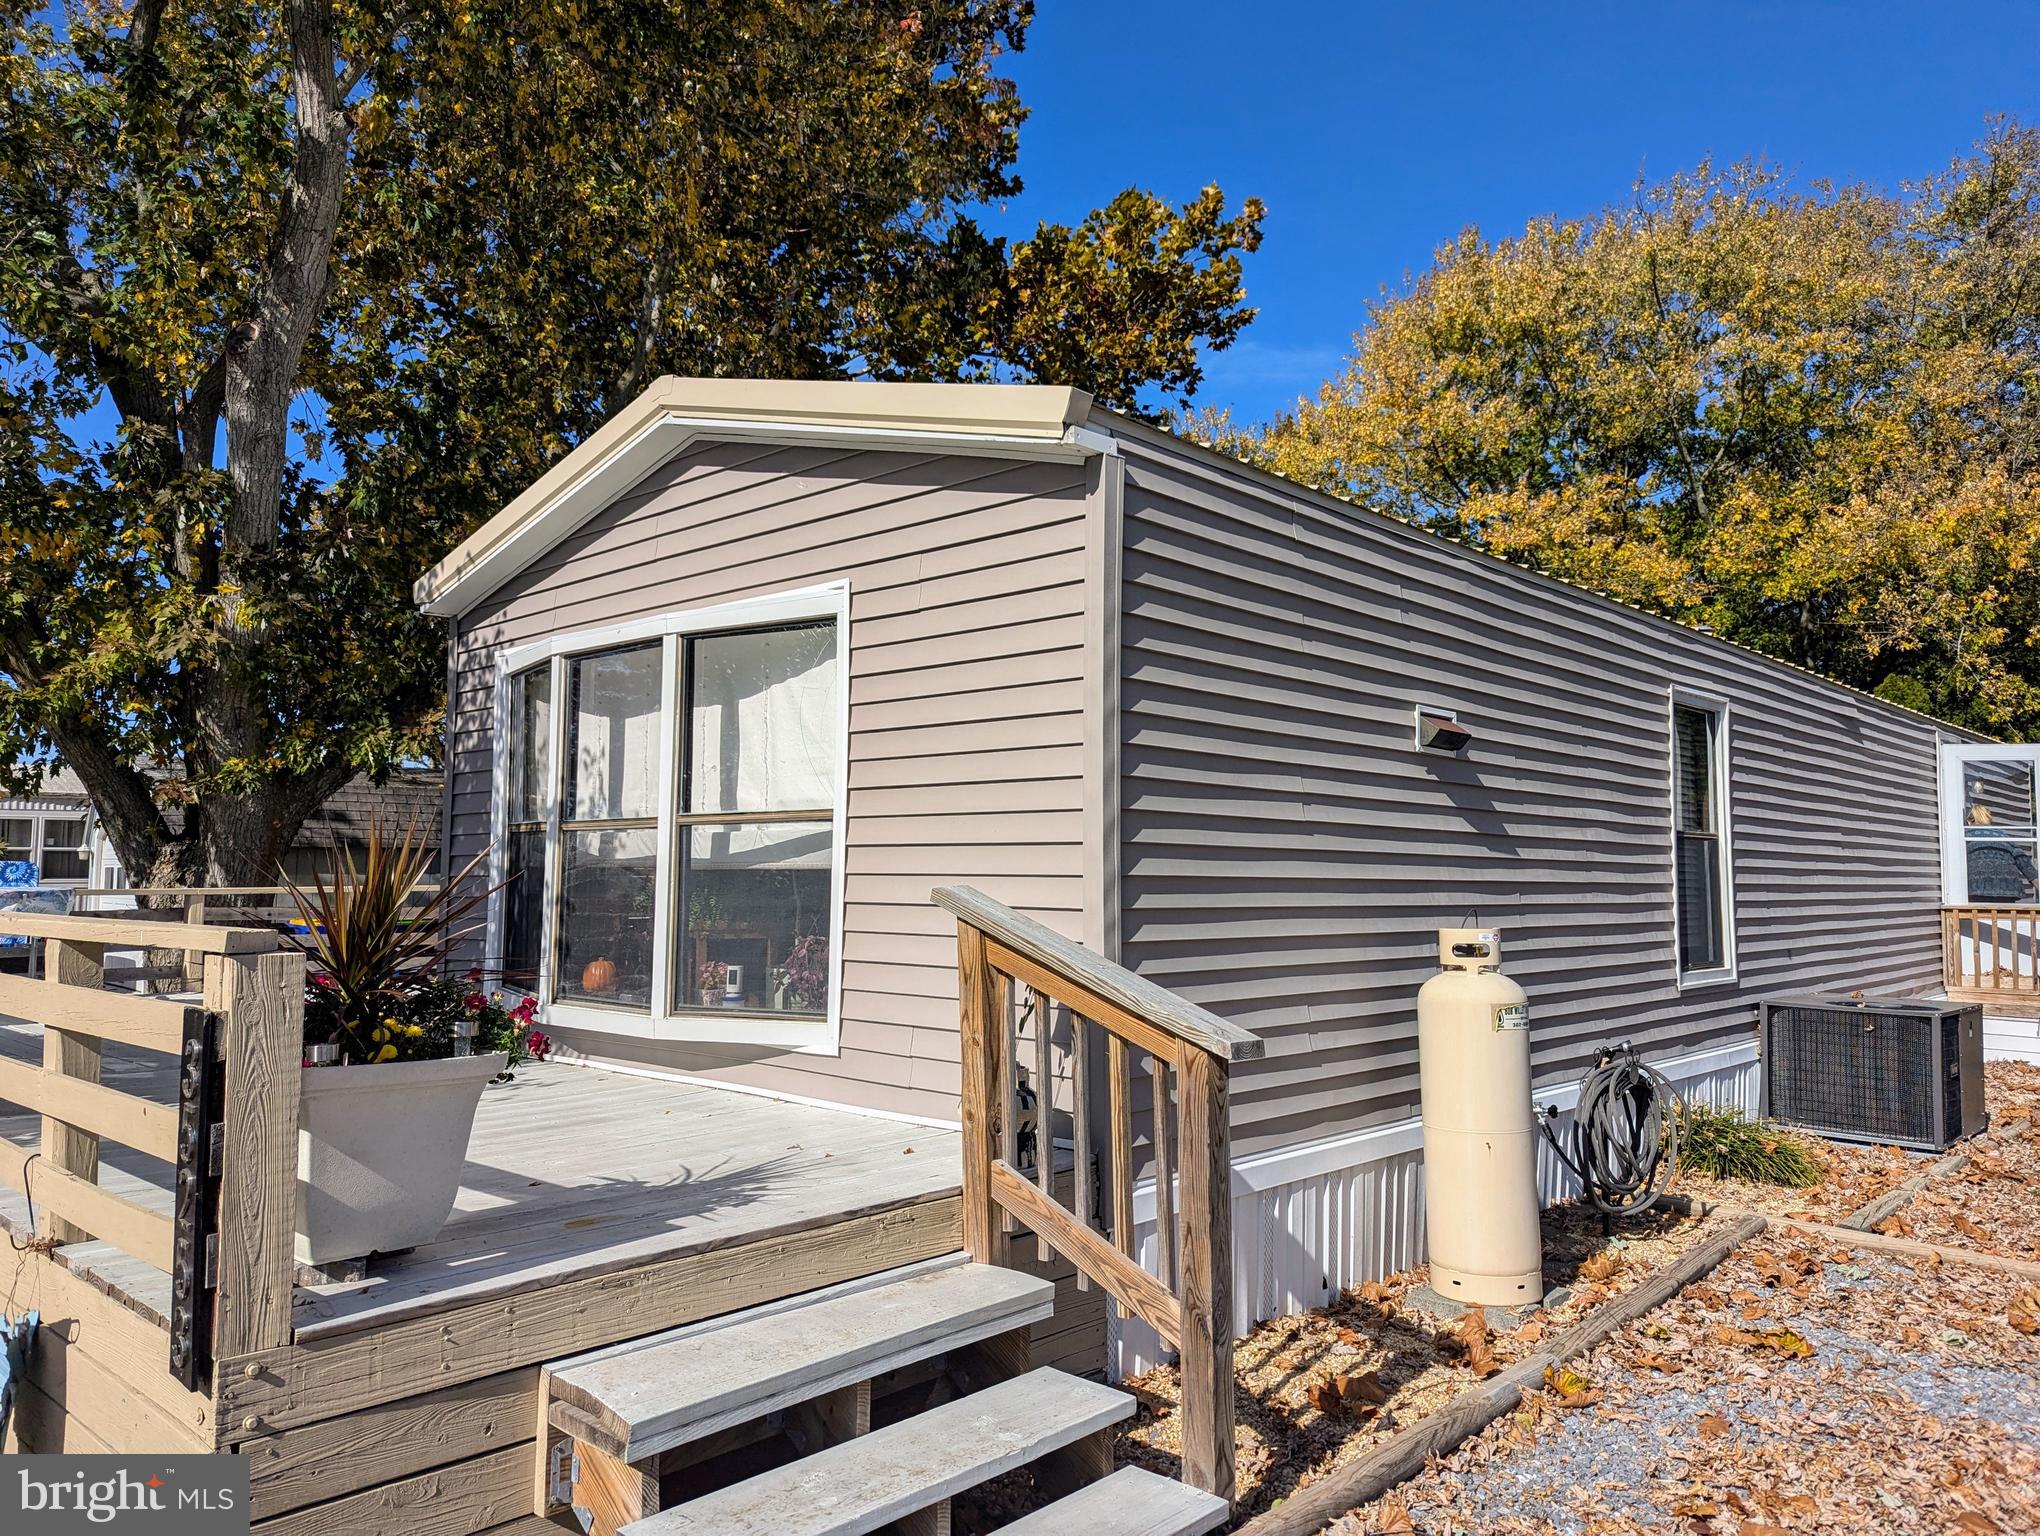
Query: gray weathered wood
[
  {"x": 651, "y": 1400},
  {"x": 261, "y": 1002},
  {"x": 1131, "y": 1502},
  {"x": 1080, "y": 1127},
  {"x": 136, "y": 930},
  {"x": 1162, "y": 1129},
  {"x": 386, "y": 1443},
  {"x": 912, "y": 1465},
  {"x": 1043, "y": 1012},
  {"x": 65, "y": 1146},
  {"x": 1185, "y": 1020}
]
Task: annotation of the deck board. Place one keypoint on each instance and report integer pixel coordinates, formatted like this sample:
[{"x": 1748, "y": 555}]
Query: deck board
[{"x": 571, "y": 1172}]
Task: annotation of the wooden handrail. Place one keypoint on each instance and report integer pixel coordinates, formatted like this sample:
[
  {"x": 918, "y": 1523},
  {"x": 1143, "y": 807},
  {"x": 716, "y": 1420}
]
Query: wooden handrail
[
  {"x": 131, "y": 931},
  {"x": 1154, "y": 1007},
  {"x": 1012, "y": 970}
]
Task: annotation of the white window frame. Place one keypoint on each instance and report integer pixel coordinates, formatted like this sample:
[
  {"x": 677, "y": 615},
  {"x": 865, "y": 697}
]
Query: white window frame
[
  {"x": 1954, "y": 841},
  {"x": 1723, "y": 716},
  {"x": 662, "y": 1021},
  {"x": 40, "y": 845}
]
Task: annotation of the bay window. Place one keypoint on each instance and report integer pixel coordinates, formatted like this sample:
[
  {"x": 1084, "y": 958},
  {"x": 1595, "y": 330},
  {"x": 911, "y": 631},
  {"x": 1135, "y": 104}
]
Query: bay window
[{"x": 667, "y": 838}]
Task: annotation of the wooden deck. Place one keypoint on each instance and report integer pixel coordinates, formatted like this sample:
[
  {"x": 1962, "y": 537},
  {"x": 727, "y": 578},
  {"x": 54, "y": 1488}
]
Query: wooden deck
[{"x": 572, "y": 1172}]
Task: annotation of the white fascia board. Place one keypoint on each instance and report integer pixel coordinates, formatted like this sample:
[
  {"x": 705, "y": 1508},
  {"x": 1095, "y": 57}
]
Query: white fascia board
[{"x": 452, "y": 592}]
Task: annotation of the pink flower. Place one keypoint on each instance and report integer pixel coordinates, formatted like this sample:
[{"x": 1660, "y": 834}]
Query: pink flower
[
  {"x": 539, "y": 1044},
  {"x": 474, "y": 974},
  {"x": 474, "y": 1002},
  {"x": 321, "y": 979}
]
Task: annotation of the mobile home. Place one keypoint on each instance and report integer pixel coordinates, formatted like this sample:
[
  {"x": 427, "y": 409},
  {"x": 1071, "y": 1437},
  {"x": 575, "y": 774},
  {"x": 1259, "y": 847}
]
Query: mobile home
[{"x": 760, "y": 663}]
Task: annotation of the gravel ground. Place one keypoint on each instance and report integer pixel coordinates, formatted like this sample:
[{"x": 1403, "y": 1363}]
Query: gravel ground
[{"x": 1798, "y": 1390}]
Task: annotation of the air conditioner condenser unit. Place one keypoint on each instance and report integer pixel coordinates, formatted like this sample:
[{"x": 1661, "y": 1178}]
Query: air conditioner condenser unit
[{"x": 1903, "y": 1072}]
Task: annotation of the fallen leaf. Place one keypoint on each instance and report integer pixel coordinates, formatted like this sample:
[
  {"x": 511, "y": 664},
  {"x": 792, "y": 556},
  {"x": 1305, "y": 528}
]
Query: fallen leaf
[
  {"x": 1573, "y": 1389},
  {"x": 1973, "y": 1524},
  {"x": 1969, "y": 1229},
  {"x": 1533, "y": 1330},
  {"x": 1601, "y": 1266},
  {"x": 1713, "y": 1426},
  {"x": 1783, "y": 1340},
  {"x": 1469, "y": 1337},
  {"x": 1392, "y": 1517},
  {"x": 1894, "y": 1225},
  {"x": 2024, "y": 1313}
]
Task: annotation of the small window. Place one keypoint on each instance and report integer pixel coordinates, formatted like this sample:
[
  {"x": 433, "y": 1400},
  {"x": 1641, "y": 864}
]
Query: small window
[
  {"x": 1700, "y": 885},
  {"x": 17, "y": 839},
  {"x": 65, "y": 854},
  {"x": 2000, "y": 833}
]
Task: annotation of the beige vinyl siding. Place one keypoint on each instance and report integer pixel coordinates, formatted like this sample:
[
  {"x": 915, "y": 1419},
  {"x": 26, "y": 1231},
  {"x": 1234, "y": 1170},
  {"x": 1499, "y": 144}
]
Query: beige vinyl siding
[
  {"x": 1287, "y": 852},
  {"x": 966, "y": 676}
]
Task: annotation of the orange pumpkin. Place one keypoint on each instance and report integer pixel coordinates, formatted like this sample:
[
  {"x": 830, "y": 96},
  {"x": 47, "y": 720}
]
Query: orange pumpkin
[{"x": 600, "y": 976}]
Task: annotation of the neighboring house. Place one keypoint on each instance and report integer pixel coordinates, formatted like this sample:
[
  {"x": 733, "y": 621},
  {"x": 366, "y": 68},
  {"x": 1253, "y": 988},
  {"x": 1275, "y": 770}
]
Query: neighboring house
[
  {"x": 58, "y": 832},
  {"x": 755, "y": 667}
]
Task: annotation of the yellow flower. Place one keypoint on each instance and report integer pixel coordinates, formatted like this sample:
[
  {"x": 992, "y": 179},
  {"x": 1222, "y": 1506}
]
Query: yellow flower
[
  {"x": 378, "y": 1035},
  {"x": 387, "y": 1053},
  {"x": 414, "y": 1030}
]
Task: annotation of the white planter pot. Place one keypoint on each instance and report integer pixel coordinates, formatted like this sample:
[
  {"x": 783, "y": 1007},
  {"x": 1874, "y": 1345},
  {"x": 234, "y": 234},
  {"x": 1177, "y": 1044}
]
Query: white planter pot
[{"x": 380, "y": 1153}]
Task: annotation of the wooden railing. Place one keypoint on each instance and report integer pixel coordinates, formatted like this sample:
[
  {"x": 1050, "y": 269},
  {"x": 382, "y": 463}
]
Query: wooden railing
[
  {"x": 244, "y": 906},
  {"x": 1016, "y": 977},
  {"x": 231, "y": 1136},
  {"x": 1991, "y": 955}
]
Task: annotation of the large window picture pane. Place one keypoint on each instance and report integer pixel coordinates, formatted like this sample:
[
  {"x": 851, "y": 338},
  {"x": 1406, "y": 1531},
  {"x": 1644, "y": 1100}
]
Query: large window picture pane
[
  {"x": 754, "y": 929},
  {"x": 605, "y": 915},
  {"x": 762, "y": 720},
  {"x": 531, "y": 744},
  {"x": 612, "y": 735},
  {"x": 524, "y": 910}
]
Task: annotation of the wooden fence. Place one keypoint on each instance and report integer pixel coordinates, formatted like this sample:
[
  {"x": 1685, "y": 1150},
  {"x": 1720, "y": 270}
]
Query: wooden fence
[
  {"x": 1012, "y": 971},
  {"x": 231, "y": 1136},
  {"x": 1991, "y": 955}
]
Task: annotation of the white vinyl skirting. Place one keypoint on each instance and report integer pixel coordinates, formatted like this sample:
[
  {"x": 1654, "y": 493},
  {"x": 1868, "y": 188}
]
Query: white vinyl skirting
[{"x": 1311, "y": 1221}]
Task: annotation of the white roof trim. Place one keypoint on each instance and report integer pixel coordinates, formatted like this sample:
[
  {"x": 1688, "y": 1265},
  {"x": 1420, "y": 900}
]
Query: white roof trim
[{"x": 1002, "y": 421}]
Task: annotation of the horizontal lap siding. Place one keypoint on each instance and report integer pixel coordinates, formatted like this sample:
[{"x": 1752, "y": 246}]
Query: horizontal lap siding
[
  {"x": 966, "y": 696},
  {"x": 1287, "y": 854}
]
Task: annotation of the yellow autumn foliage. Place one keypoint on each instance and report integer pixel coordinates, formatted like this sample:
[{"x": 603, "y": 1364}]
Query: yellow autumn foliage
[{"x": 1808, "y": 418}]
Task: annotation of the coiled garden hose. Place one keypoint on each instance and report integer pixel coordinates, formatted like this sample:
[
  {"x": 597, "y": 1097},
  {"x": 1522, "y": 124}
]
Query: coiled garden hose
[{"x": 1625, "y": 1136}]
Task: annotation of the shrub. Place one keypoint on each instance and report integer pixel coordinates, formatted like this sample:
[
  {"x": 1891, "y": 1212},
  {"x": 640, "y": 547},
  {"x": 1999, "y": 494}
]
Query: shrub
[{"x": 1721, "y": 1142}]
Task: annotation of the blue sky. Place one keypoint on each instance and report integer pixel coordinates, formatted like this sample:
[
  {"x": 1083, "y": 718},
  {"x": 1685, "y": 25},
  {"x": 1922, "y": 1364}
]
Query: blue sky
[{"x": 1375, "y": 132}]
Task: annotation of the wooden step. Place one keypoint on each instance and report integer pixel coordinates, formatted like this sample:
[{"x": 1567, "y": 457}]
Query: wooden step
[
  {"x": 910, "y": 1466},
  {"x": 1131, "y": 1502},
  {"x": 637, "y": 1403}
]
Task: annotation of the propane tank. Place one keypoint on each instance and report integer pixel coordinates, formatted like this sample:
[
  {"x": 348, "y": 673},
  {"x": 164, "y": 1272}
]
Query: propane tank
[{"x": 1480, "y": 1135}]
